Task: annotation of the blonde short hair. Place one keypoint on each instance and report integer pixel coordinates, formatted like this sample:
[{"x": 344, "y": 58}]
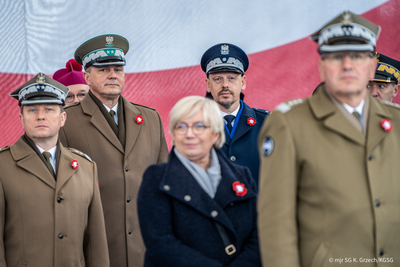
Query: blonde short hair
[{"x": 189, "y": 106}]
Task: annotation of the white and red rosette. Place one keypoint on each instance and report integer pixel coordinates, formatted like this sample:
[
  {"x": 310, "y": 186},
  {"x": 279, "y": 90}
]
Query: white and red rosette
[
  {"x": 239, "y": 188},
  {"x": 74, "y": 164},
  {"x": 386, "y": 125},
  {"x": 139, "y": 119},
  {"x": 251, "y": 121}
]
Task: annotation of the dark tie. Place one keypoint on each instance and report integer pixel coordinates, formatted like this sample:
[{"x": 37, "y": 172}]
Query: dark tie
[
  {"x": 357, "y": 115},
  {"x": 229, "y": 119},
  {"x": 47, "y": 156},
  {"x": 112, "y": 113}
]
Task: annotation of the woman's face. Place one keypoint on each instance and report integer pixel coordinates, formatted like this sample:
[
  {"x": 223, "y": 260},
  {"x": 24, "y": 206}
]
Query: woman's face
[{"x": 194, "y": 139}]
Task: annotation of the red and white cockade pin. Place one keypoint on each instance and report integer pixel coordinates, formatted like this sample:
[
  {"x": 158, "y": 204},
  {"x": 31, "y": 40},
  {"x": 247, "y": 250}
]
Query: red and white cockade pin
[
  {"x": 251, "y": 121},
  {"x": 386, "y": 125},
  {"x": 239, "y": 188},
  {"x": 74, "y": 164},
  {"x": 139, "y": 119}
]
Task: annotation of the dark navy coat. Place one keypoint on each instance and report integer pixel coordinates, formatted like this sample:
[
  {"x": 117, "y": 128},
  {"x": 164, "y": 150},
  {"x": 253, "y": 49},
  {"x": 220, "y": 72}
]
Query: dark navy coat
[
  {"x": 177, "y": 222},
  {"x": 242, "y": 148}
]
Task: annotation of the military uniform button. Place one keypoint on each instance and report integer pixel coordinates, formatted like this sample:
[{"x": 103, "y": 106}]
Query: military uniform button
[
  {"x": 126, "y": 169},
  {"x": 166, "y": 187},
  {"x": 214, "y": 213},
  {"x": 369, "y": 156},
  {"x": 187, "y": 198},
  {"x": 128, "y": 200},
  {"x": 381, "y": 252},
  {"x": 60, "y": 236},
  {"x": 233, "y": 158},
  {"x": 59, "y": 199},
  {"x": 377, "y": 202},
  {"x": 129, "y": 232}
]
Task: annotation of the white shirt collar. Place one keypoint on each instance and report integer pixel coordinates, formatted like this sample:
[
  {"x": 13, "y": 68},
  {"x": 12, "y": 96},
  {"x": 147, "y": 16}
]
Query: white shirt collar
[
  {"x": 233, "y": 113},
  {"x": 115, "y": 108},
  {"x": 52, "y": 152},
  {"x": 359, "y": 108}
]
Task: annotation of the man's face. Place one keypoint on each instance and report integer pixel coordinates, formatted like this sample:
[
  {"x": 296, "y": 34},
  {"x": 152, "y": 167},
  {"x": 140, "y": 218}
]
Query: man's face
[
  {"x": 225, "y": 88},
  {"x": 105, "y": 82},
  {"x": 77, "y": 93},
  {"x": 383, "y": 91},
  {"x": 347, "y": 73},
  {"x": 42, "y": 121}
]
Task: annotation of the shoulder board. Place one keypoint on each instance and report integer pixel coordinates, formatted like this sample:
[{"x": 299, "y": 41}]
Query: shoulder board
[
  {"x": 262, "y": 110},
  {"x": 286, "y": 106},
  {"x": 79, "y": 153},
  {"x": 142, "y": 106},
  {"x": 4, "y": 148},
  {"x": 391, "y": 104}
]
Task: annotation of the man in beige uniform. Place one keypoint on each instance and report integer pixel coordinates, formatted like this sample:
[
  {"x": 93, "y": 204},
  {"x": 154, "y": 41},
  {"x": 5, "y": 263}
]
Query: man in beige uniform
[
  {"x": 50, "y": 207},
  {"x": 329, "y": 188},
  {"x": 123, "y": 144}
]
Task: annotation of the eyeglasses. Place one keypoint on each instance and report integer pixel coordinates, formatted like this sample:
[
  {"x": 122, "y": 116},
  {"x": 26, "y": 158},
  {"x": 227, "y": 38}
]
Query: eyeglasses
[
  {"x": 338, "y": 58},
  {"x": 197, "y": 128},
  {"x": 70, "y": 98}
]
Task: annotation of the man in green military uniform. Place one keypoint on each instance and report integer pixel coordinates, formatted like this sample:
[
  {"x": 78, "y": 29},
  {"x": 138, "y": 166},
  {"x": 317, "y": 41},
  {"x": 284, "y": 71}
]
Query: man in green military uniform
[
  {"x": 329, "y": 188},
  {"x": 50, "y": 207},
  {"x": 121, "y": 137}
]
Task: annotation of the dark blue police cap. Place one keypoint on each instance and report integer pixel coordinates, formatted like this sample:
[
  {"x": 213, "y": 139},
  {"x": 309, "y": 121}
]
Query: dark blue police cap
[
  {"x": 224, "y": 57},
  {"x": 387, "y": 69}
]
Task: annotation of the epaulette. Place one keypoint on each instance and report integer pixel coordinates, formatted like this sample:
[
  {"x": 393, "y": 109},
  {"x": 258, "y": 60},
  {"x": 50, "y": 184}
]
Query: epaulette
[
  {"x": 263, "y": 111},
  {"x": 286, "y": 106},
  {"x": 79, "y": 153},
  {"x": 4, "y": 148},
  {"x": 389, "y": 103},
  {"x": 142, "y": 106}
]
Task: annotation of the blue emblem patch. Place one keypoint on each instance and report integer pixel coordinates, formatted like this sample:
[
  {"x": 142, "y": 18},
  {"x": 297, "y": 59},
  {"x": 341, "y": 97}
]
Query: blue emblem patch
[{"x": 268, "y": 146}]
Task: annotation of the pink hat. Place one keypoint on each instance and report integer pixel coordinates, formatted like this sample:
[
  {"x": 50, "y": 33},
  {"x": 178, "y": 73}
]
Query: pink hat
[{"x": 70, "y": 75}]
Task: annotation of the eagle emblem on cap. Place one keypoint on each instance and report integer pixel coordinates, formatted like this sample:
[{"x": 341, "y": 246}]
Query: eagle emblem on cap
[
  {"x": 346, "y": 18},
  {"x": 41, "y": 78},
  {"x": 224, "y": 49},
  {"x": 109, "y": 40},
  {"x": 376, "y": 55}
]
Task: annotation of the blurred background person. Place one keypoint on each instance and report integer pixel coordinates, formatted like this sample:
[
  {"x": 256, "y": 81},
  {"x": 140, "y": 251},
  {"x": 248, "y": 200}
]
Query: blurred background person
[
  {"x": 199, "y": 209},
  {"x": 72, "y": 77},
  {"x": 385, "y": 84}
]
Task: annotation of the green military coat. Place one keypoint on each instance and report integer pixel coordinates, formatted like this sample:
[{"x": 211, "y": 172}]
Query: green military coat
[
  {"x": 327, "y": 192},
  {"x": 120, "y": 168}
]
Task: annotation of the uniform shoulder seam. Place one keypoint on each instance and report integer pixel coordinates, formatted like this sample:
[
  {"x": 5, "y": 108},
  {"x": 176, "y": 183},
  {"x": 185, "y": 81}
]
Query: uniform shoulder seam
[
  {"x": 263, "y": 111},
  {"x": 142, "y": 106},
  {"x": 2, "y": 149},
  {"x": 80, "y": 153}
]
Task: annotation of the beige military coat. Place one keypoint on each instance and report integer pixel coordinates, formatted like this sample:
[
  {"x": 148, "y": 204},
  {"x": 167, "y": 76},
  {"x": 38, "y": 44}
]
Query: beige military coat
[
  {"x": 49, "y": 223},
  {"x": 327, "y": 193},
  {"x": 120, "y": 168}
]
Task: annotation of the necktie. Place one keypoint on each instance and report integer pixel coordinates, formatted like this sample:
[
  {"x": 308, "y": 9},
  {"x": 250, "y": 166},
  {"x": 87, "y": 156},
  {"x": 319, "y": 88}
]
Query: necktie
[
  {"x": 47, "y": 156},
  {"x": 358, "y": 116},
  {"x": 112, "y": 113},
  {"x": 229, "y": 119}
]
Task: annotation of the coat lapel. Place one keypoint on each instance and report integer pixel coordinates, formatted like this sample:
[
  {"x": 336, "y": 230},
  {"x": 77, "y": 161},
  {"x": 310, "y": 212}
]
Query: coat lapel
[
  {"x": 243, "y": 127},
  {"x": 27, "y": 159},
  {"x": 90, "y": 108},
  {"x": 132, "y": 128},
  {"x": 181, "y": 183},
  {"x": 375, "y": 132},
  {"x": 65, "y": 170},
  {"x": 333, "y": 119}
]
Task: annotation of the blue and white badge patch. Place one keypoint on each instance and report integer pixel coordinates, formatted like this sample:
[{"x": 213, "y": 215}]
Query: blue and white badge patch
[{"x": 268, "y": 146}]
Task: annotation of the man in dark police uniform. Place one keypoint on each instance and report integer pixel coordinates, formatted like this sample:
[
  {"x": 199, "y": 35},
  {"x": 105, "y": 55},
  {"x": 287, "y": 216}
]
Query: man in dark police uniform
[
  {"x": 123, "y": 138},
  {"x": 225, "y": 65}
]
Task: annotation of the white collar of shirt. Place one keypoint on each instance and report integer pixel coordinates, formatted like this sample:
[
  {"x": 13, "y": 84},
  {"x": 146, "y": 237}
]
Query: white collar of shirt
[
  {"x": 233, "y": 113},
  {"x": 52, "y": 152},
  {"x": 115, "y": 108},
  {"x": 359, "y": 108}
]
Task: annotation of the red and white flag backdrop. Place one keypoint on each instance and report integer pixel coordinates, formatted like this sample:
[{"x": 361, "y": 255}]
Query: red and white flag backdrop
[{"x": 167, "y": 40}]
